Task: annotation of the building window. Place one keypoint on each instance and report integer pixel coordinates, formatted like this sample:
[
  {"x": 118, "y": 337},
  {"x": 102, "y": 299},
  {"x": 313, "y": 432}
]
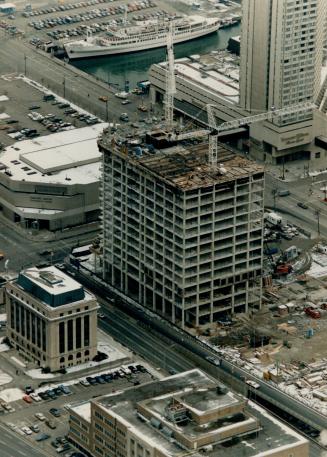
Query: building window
[
  {"x": 61, "y": 337},
  {"x": 78, "y": 355},
  {"x": 78, "y": 332},
  {"x": 70, "y": 336},
  {"x": 62, "y": 359},
  {"x": 87, "y": 352},
  {"x": 86, "y": 331},
  {"x": 70, "y": 357}
]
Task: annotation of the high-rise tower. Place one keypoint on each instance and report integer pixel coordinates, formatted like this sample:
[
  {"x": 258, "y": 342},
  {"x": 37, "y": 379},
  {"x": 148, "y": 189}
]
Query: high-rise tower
[{"x": 281, "y": 58}]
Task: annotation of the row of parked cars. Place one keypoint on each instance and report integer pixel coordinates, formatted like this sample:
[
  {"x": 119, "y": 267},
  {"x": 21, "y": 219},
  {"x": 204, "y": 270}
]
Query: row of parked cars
[
  {"x": 82, "y": 16},
  {"x": 58, "y": 8},
  {"x": 110, "y": 377},
  {"x": 94, "y": 27}
]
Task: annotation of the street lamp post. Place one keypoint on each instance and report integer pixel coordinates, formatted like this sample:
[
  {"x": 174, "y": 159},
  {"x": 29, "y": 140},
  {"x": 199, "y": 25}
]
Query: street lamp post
[
  {"x": 317, "y": 214},
  {"x": 25, "y": 66}
]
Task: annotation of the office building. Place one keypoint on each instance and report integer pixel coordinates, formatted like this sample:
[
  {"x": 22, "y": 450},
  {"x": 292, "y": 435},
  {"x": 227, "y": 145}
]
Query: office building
[
  {"x": 51, "y": 318},
  {"x": 211, "y": 78},
  {"x": 179, "y": 236},
  {"x": 186, "y": 414},
  {"x": 52, "y": 182},
  {"x": 281, "y": 59}
]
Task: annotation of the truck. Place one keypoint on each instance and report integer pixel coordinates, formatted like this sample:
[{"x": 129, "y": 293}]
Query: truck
[{"x": 273, "y": 218}]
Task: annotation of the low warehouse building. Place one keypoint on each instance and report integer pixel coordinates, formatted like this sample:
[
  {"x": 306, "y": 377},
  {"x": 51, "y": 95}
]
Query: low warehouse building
[{"x": 52, "y": 182}]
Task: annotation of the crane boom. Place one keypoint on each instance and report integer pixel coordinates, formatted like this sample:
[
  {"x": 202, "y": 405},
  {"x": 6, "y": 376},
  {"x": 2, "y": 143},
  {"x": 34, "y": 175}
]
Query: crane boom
[
  {"x": 213, "y": 133},
  {"x": 170, "y": 79}
]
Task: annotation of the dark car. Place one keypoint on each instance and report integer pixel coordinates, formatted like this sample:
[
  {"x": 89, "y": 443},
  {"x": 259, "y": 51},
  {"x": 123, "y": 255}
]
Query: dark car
[
  {"x": 55, "y": 412},
  {"x": 43, "y": 395},
  {"x": 91, "y": 380},
  {"x": 51, "y": 394},
  {"x": 34, "y": 107},
  {"x": 42, "y": 437},
  {"x": 107, "y": 377},
  {"x": 12, "y": 121},
  {"x": 57, "y": 391},
  {"x": 100, "y": 379},
  {"x": 302, "y": 205},
  {"x": 45, "y": 252},
  {"x": 29, "y": 390}
]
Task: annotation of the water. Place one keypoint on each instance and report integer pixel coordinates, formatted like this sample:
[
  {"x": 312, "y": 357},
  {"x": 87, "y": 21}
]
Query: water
[{"x": 134, "y": 67}]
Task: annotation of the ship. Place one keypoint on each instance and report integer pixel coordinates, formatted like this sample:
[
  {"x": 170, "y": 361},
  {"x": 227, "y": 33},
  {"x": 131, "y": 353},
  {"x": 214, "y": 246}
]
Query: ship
[{"x": 140, "y": 37}]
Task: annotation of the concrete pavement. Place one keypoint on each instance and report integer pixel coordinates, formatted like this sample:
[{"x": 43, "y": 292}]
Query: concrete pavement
[{"x": 12, "y": 445}]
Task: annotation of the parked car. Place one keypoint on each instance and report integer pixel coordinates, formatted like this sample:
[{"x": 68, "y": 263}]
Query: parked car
[
  {"x": 55, "y": 412},
  {"x": 302, "y": 205},
  {"x": 65, "y": 389},
  {"x": 40, "y": 416},
  {"x": 35, "y": 428},
  {"x": 35, "y": 396},
  {"x": 27, "y": 398},
  {"x": 42, "y": 437},
  {"x": 26, "y": 430},
  {"x": 84, "y": 383},
  {"x": 50, "y": 424}
]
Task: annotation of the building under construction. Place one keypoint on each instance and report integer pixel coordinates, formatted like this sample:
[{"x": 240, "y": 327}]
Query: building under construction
[{"x": 180, "y": 236}]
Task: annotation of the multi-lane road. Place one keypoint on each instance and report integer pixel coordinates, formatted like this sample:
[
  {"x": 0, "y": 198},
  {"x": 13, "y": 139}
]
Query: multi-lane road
[
  {"x": 306, "y": 191},
  {"x": 161, "y": 353},
  {"x": 13, "y": 446}
]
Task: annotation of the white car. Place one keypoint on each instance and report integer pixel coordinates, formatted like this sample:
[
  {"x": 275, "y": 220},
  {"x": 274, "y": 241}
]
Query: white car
[
  {"x": 40, "y": 416},
  {"x": 26, "y": 430},
  {"x": 253, "y": 384},
  {"x": 35, "y": 396}
]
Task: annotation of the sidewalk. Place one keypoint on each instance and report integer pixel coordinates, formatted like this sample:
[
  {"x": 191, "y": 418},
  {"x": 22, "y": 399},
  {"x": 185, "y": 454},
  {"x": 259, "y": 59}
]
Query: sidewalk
[
  {"x": 297, "y": 169},
  {"x": 46, "y": 235}
]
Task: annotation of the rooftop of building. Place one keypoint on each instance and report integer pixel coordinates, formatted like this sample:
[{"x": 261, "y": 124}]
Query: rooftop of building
[
  {"x": 217, "y": 72},
  {"x": 52, "y": 286},
  {"x": 124, "y": 405},
  {"x": 187, "y": 167},
  {"x": 68, "y": 157}
]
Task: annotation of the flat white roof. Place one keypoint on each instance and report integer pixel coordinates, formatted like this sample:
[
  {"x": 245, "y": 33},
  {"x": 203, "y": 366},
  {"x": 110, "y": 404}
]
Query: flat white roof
[
  {"x": 66, "y": 156},
  {"x": 214, "y": 80},
  {"x": 69, "y": 157},
  {"x": 83, "y": 410},
  {"x": 52, "y": 280}
]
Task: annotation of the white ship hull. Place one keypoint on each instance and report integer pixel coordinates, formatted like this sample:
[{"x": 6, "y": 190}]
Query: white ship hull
[{"x": 80, "y": 50}]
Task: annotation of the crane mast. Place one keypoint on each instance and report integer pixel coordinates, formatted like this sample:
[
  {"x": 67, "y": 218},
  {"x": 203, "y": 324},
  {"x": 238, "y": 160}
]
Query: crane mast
[{"x": 170, "y": 79}]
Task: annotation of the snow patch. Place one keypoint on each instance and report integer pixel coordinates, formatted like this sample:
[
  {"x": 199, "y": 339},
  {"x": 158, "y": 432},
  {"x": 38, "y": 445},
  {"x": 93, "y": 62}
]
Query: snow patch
[{"x": 9, "y": 395}]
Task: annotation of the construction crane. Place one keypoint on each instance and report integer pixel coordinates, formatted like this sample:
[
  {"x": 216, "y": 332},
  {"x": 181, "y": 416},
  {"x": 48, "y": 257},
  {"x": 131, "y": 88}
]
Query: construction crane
[
  {"x": 170, "y": 79},
  {"x": 215, "y": 129}
]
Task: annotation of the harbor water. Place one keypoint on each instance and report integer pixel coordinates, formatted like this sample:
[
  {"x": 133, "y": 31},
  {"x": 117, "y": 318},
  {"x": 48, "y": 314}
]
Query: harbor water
[{"x": 116, "y": 70}]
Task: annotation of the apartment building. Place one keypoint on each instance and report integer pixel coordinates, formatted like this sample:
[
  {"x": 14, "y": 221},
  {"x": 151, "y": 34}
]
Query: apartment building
[
  {"x": 51, "y": 318},
  {"x": 181, "y": 237},
  {"x": 281, "y": 60},
  {"x": 189, "y": 413}
]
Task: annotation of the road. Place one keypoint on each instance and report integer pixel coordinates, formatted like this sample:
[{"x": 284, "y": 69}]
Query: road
[
  {"x": 66, "y": 81},
  {"x": 13, "y": 446},
  {"x": 160, "y": 353},
  {"x": 23, "y": 252},
  {"x": 306, "y": 191}
]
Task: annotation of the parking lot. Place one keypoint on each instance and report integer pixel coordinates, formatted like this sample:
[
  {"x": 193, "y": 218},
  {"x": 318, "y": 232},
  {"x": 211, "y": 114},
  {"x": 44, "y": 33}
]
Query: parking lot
[
  {"x": 26, "y": 112},
  {"x": 44, "y": 421},
  {"x": 64, "y": 22}
]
